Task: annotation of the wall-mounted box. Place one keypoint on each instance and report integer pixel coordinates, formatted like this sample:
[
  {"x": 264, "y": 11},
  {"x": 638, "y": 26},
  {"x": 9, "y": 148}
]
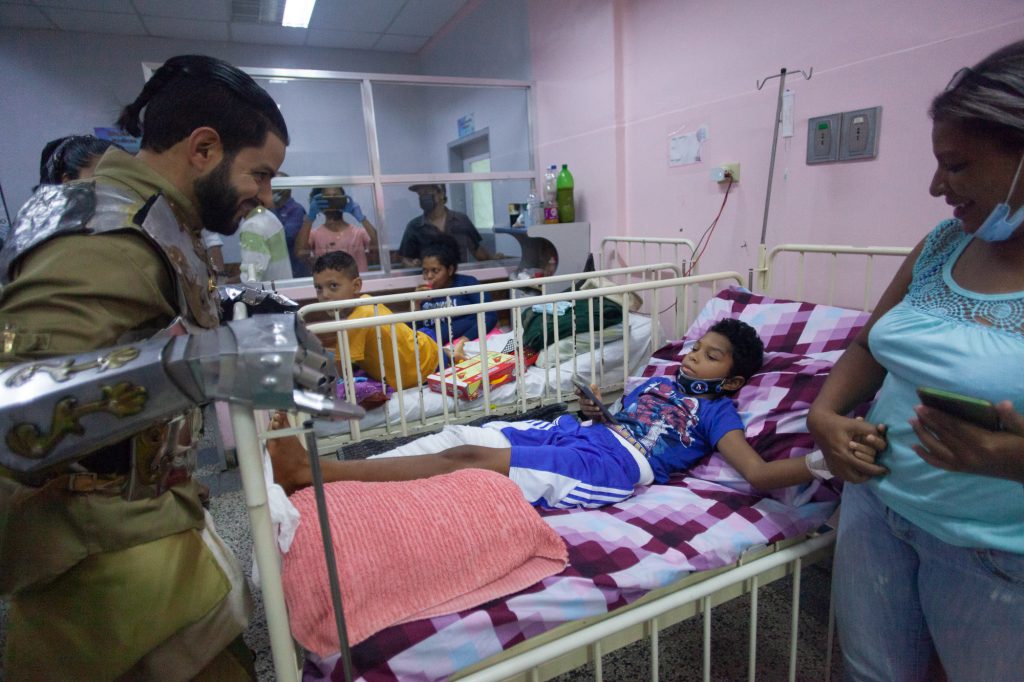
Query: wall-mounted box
[
  {"x": 823, "y": 138},
  {"x": 859, "y": 136}
]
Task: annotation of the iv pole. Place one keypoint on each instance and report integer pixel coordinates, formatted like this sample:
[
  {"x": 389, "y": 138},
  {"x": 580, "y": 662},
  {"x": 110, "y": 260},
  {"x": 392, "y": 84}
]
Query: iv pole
[{"x": 762, "y": 255}]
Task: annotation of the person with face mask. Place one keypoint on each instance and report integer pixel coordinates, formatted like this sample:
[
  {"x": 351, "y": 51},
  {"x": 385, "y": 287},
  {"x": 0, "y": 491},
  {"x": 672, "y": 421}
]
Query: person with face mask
[
  {"x": 929, "y": 566},
  {"x": 438, "y": 219},
  {"x": 124, "y": 576},
  {"x": 292, "y": 216}
]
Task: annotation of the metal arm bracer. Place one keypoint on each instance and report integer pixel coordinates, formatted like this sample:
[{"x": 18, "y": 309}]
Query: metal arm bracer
[{"x": 56, "y": 411}]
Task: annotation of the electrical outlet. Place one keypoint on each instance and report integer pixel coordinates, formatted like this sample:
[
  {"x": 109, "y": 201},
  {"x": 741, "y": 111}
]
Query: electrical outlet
[
  {"x": 859, "y": 139},
  {"x": 731, "y": 170}
]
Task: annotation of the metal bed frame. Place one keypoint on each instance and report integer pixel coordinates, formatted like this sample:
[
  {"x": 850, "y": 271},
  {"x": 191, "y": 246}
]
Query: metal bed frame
[{"x": 572, "y": 644}]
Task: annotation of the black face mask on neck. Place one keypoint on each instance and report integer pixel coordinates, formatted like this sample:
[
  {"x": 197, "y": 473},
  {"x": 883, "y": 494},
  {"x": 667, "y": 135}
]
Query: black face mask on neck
[{"x": 427, "y": 202}]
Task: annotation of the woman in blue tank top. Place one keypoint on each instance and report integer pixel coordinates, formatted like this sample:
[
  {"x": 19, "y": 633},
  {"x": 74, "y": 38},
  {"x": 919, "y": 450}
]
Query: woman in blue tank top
[{"x": 929, "y": 566}]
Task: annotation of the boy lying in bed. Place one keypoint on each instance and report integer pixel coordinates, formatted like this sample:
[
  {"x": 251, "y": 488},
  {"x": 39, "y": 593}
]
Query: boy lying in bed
[{"x": 665, "y": 426}]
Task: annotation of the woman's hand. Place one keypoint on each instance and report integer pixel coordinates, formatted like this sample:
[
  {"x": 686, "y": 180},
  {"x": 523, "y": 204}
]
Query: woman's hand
[
  {"x": 850, "y": 446},
  {"x": 353, "y": 209},
  {"x": 954, "y": 444},
  {"x": 589, "y": 409}
]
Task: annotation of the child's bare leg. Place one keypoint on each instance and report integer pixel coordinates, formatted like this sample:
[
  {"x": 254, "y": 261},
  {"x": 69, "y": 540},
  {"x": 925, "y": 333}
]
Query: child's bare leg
[{"x": 292, "y": 471}]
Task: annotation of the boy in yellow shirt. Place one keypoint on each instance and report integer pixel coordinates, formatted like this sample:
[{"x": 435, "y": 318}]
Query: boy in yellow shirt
[{"x": 336, "y": 278}]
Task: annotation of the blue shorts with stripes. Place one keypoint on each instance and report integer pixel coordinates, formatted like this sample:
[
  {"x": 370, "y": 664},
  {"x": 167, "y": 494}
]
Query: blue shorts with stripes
[{"x": 562, "y": 464}]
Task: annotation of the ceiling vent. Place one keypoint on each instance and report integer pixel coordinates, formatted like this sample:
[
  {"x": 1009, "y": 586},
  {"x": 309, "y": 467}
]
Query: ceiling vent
[{"x": 257, "y": 11}]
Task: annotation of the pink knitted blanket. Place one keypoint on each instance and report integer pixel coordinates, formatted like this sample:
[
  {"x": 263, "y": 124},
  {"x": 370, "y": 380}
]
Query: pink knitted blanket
[{"x": 413, "y": 550}]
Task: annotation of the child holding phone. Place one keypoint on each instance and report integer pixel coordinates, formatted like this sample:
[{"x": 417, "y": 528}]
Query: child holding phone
[
  {"x": 665, "y": 426},
  {"x": 335, "y": 234}
]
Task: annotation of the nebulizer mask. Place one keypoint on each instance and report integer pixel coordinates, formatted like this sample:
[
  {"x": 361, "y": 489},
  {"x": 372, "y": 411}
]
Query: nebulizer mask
[{"x": 1000, "y": 225}]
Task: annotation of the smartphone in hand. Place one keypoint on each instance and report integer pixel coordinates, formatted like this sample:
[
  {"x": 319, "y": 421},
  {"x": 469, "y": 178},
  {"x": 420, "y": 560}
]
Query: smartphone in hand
[
  {"x": 975, "y": 410},
  {"x": 336, "y": 203},
  {"x": 584, "y": 388}
]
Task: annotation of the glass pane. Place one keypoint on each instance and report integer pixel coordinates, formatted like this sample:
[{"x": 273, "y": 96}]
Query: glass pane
[
  {"x": 325, "y": 123},
  {"x": 418, "y": 127},
  {"x": 362, "y": 196},
  {"x": 403, "y": 212}
]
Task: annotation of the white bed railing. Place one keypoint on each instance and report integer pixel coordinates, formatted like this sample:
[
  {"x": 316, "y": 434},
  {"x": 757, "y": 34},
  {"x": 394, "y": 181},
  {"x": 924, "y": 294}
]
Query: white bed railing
[
  {"x": 682, "y": 292},
  {"x": 619, "y": 251},
  {"x": 833, "y": 269},
  {"x": 648, "y": 616}
]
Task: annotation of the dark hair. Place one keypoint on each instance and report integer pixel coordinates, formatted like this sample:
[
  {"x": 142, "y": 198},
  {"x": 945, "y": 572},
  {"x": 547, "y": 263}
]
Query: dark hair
[
  {"x": 192, "y": 91},
  {"x": 339, "y": 261},
  {"x": 988, "y": 98},
  {"x": 444, "y": 248},
  {"x": 320, "y": 190},
  {"x": 747, "y": 348},
  {"x": 68, "y": 156}
]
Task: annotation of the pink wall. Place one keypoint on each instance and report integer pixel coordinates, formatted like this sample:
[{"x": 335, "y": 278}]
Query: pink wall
[{"x": 615, "y": 78}]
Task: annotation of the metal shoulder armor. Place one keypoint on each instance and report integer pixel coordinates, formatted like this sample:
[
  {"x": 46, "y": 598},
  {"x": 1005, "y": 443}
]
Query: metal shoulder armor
[
  {"x": 59, "y": 410},
  {"x": 97, "y": 208}
]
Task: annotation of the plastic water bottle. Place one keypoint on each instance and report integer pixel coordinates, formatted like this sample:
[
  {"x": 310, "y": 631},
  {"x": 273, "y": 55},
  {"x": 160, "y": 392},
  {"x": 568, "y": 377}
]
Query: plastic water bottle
[
  {"x": 551, "y": 194},
  {"x": 566, "y": 207},
  {"x": 533, "y": 211}
]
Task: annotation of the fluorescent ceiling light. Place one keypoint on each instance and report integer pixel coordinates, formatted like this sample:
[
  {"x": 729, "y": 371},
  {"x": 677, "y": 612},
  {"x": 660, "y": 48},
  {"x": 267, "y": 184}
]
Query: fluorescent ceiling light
[{"x": 297, "y": 13}]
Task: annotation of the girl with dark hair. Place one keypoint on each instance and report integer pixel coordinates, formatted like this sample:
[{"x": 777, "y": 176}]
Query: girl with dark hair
[
  {"x": 70, "y": 158},
  {"x": 440, "y": 259}
]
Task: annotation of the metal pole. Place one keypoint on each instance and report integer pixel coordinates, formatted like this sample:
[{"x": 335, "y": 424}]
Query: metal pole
[
  {"x": 325, "y": 533},
  {"x": 771, "y": 169}
]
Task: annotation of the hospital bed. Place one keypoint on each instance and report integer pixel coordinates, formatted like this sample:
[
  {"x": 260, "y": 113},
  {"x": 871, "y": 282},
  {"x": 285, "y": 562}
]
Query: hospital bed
[{"x": 802, "y": 340}]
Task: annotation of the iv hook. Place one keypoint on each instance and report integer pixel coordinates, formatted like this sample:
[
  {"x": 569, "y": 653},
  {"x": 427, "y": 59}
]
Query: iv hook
[{"x": 806, "y": 74}]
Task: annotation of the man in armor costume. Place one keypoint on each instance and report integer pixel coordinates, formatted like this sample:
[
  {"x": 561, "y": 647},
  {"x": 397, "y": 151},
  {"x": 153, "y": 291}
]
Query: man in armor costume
[{"x": 111, "y": 565}]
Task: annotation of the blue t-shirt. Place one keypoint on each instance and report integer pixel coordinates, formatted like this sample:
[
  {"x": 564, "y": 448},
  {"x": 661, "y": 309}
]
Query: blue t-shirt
[
  {"x": 677, "y": 429},
  {"x": 944, "y": 336},
  {"x": 463, "y": 325}
]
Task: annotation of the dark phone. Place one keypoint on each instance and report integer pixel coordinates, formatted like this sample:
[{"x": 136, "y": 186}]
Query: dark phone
[
  {"x": 975, "y": 410},
  {"x": 589, "y": 395},
  {"x": 336, "y": 203}
]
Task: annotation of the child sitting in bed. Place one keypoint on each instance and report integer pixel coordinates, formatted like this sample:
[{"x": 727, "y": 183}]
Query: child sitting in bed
[
  {"x": 665, "y": 426},
  {"x": 440, "y": 259},
  {"x": 336, "y": 278}
]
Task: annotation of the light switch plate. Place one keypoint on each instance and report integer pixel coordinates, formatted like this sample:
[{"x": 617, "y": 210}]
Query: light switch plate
[
  {"x": 823, "y": 138},
  {"x": 859, "y": 137}
]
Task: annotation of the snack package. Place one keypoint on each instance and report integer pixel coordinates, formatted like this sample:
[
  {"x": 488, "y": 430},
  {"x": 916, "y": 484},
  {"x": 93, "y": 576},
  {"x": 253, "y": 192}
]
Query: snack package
[{"x": 467, "y": 382}]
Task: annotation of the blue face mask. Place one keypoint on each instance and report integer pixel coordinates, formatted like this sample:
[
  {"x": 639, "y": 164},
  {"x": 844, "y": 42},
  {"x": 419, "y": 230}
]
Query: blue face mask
[
  {"x": 1000, "y": 225},
  {"x": 699, "y": 386}
]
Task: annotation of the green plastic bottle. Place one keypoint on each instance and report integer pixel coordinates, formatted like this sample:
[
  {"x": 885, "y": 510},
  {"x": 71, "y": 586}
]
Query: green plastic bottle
[{"x": 566, "y": 207}]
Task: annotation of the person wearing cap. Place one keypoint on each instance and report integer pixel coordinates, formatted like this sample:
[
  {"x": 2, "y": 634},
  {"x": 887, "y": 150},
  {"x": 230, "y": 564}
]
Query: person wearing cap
[{"x": 438, "y": 219}]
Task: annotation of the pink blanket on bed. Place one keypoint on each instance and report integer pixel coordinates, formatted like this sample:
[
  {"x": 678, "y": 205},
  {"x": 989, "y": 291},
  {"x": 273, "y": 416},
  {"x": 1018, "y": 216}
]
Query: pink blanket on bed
[{"x": 413, "y": 550}]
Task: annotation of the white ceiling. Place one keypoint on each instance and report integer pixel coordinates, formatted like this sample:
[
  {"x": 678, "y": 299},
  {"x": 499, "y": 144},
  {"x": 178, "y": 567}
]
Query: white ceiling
[{"x": 384, "y": 25}]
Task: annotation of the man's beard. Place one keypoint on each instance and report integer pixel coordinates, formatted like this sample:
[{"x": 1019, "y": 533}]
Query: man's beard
[{"x": 218, "y": 200}]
